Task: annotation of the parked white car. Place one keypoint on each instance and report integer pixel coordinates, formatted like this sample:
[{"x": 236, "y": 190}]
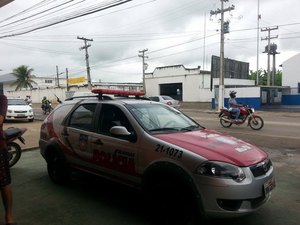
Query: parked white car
[
  {"x": 18, "y": 109},
  {"x": 166, "y": 100}
]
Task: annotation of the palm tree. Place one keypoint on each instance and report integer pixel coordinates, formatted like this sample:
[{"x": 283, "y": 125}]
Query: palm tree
[{"x": 23, "y": 77}]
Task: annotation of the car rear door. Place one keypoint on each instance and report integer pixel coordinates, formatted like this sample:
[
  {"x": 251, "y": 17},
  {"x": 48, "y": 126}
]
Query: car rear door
[
  {"x": 78, "y": 134},
  {"x": 116, "y": 156}
]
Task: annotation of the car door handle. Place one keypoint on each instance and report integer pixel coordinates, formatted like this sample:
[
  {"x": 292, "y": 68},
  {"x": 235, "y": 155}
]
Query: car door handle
[{"x": 98, "y": 142}]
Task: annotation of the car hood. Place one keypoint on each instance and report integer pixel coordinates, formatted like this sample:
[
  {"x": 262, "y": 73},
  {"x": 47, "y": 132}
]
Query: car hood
[{"x": 216, "y": 146}]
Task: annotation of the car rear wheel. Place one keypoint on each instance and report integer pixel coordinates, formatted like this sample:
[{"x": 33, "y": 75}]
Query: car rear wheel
[{"x": 58, "y": 171}]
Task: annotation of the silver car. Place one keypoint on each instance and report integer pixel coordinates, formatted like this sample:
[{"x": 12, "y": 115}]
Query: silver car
[
  {"x": 183, "y": 167},
  {"x": 166, "y": 100}
]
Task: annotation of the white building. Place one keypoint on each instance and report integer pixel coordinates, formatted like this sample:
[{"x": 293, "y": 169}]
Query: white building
[
  {"x": 291, "y": 74},
  {"x": 184, "y": 84},
  {"x": 193, "y": 84}
]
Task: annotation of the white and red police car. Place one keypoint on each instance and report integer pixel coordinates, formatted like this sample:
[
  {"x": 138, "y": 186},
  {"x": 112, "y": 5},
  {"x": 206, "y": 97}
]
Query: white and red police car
[{"x": 152, "y": 146}]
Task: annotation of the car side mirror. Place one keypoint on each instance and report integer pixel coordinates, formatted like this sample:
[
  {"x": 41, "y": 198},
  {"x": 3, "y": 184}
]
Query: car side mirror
[{"x": 122, "y": 132}]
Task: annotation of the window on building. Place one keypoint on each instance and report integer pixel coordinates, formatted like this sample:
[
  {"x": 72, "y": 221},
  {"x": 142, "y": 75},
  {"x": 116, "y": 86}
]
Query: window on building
[{"x": 48, "y": 81}]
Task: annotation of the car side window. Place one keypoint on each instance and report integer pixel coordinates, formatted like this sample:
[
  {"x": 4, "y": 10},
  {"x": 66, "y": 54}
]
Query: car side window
[
  {"x": 112, "y": 116},
  {"x": 82, "y": 117}
]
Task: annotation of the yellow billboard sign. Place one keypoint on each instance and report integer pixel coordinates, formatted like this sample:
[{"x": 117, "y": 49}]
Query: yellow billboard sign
[{"x": 76, "y": 80}]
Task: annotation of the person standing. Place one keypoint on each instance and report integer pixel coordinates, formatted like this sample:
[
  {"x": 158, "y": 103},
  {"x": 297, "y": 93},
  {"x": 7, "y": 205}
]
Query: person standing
[{"x": 5, "y": 178}]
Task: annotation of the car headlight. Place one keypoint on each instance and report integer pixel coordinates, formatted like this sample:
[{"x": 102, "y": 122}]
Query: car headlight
[
  {"x": 9, "y": 110},
  {"x": 222, "y": 170},
  {"x": 30, "y": 110}
]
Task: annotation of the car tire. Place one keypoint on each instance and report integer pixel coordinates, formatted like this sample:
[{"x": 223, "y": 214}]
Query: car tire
[
  {"x": 171, "y": 204},
  {"x": 58, "y": 171}
]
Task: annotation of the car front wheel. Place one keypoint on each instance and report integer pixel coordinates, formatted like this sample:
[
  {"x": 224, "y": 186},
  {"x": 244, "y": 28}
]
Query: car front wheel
[{"x": 171, "y": 204}]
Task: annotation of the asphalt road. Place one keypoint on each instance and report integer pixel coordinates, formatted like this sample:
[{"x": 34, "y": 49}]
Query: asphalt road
[
  {"x": 88, "y": 200},
  {"x": 280, "y": 131}
]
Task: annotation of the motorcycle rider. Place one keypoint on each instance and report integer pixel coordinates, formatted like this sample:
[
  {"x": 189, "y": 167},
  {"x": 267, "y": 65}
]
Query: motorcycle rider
[
  {"x": 234, "y": 107},
  {"x": 28, "y": 100},
  {"x": 45, "y": 103}
]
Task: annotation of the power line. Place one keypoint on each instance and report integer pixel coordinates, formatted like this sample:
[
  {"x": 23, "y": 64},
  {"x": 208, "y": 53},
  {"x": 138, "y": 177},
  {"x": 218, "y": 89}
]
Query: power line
[{"x": 70, "y": 17}]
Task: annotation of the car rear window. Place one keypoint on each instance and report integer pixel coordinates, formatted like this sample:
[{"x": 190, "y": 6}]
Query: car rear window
[{"x": 82, "y": 117}]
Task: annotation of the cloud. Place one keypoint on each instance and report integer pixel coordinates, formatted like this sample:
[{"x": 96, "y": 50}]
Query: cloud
[{"x": 171, "y": 30}]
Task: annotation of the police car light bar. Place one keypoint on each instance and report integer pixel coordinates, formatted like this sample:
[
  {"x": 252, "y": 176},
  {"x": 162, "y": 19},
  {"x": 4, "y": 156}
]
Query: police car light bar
[{"x": 118, "y": 92}]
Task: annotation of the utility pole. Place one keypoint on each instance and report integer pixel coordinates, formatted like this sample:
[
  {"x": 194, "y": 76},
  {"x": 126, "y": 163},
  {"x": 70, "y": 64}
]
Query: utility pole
[
  {"x": 269, "y": 48},
  {"x": 85, "y": 47},
  {"x": 257, "y": 44},
  {"x": 142, "y": 55},
  {"x": 221, "y": 81},
  {"x": 67, "y": 78},
  {"x": 57, "y": 76}
]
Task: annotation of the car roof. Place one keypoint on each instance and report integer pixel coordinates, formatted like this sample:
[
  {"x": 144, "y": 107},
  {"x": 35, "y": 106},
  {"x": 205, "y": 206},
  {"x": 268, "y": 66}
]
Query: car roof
[{"x": 107, "y": 99}]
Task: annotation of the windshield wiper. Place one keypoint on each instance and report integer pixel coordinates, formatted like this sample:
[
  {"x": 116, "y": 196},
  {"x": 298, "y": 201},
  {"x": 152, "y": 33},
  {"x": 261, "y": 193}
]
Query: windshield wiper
[
  {"x": 164, "y": 129},
  {"x": 190, "y": 128}
]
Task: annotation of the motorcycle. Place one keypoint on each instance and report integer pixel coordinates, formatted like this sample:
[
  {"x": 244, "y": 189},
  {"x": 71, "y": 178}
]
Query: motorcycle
[
  {"x": 227, "y": 118},
  {"x": 14, "y": 149},
  {"x": 47, "y": 107}
]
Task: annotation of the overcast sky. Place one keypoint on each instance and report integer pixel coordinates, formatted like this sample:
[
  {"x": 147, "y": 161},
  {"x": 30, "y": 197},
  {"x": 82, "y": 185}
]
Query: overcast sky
[{"x": 174, "y": 32}]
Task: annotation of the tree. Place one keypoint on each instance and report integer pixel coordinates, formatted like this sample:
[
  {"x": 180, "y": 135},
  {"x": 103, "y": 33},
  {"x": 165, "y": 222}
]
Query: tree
[
  {"x": 262, "y": 77},
  {"x": 23, "y": 77}
]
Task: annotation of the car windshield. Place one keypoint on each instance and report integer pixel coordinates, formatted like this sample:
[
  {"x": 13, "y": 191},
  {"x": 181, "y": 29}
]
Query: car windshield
[
  {"x": 16, "y": 102},
  {"x": 157, "y": 118}
]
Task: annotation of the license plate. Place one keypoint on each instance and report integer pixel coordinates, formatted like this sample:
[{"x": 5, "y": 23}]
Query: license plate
[
  {"x": 20, "y": 115},
  {"x": 269, "y": 186}
]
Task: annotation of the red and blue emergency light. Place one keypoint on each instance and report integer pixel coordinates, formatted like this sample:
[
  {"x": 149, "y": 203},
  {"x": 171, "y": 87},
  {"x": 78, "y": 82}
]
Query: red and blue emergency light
[{"x": 118, "y": 92}]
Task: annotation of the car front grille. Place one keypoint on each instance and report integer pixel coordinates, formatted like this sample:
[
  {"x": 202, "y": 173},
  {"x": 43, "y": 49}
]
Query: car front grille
[
  {"x": 21, "y": 111},
  {"x": 261, "y": 168}
]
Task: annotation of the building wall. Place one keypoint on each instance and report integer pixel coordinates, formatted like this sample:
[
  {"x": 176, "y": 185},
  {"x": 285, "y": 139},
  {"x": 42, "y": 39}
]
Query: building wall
[
  {"x": 195, "y": 84},
  {"x": 291, "y": 72},
  {"x": 62, "y": 93},
  {"x": 192, "y": 90},
  {"x": 41, "y": 83},
  {"x": 247, "y": 96}
]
